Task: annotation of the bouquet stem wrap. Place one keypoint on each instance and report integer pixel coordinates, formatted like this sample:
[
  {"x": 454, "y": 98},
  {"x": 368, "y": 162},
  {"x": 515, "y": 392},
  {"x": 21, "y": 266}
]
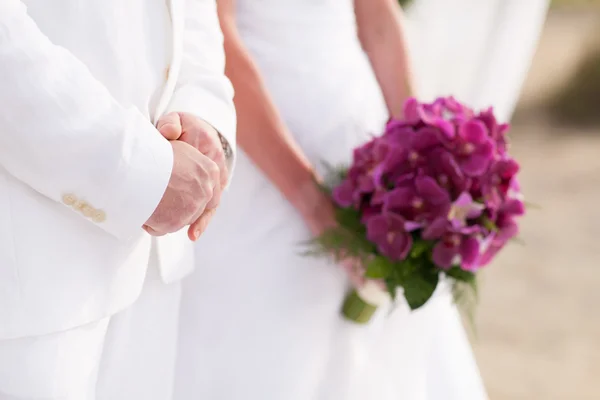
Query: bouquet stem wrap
[{"x": 356, "y": 309}]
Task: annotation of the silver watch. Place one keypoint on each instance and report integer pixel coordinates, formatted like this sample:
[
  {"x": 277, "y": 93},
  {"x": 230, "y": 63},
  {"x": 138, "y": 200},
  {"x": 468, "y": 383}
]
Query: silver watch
[{"x": 226, "y": 147}]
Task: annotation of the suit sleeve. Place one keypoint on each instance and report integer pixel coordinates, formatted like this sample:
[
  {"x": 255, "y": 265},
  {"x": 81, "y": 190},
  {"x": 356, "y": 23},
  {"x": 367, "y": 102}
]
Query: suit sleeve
[
  {"x": 65, "y": 136},
  {"x": 202, "y": 87}
]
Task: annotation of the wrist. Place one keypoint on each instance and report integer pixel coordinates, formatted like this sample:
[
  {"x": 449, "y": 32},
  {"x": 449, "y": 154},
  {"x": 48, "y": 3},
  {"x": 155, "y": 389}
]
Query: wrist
[
  {"x": 315, "y": 207},
  {"x": 307, "y": 196}
]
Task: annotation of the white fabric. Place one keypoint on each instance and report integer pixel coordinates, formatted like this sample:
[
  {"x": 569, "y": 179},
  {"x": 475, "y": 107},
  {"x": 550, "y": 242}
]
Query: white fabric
[
  {"x": 480, "y": 52},
  {"x": 477, "y": 50},
  {"x": 258, "y": 320},
  {"x": 128, "y": 356},
  {"x": 81, "y": 165}
]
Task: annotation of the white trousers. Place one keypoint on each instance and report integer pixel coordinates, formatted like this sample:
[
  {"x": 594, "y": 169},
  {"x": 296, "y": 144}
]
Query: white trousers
[{"x": 128, "y": 356}]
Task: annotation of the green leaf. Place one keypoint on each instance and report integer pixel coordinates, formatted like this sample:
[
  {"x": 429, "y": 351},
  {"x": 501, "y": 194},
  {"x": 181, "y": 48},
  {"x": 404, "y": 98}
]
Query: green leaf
[
  {"x": 339, "y": 243},
  {"x": 392, "y": 287},
  {"x": 349, "y": 218},
  {"x": 379, "y": 268},
  {"x": 460, "y": 274},
  {"x": 419, "y": 287},
  {"x": 419, "y": 248},
  {"x": 489, "y": 224},
  {"x": 466, "y": 297}
]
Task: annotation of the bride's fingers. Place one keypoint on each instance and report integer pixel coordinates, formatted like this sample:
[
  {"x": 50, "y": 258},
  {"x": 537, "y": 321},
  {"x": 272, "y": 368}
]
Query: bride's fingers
[{"x": 354, "y": 271}]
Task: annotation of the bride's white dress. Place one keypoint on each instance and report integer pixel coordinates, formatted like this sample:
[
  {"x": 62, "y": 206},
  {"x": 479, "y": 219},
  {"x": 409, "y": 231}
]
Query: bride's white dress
[{"x": 261, "y": 322}]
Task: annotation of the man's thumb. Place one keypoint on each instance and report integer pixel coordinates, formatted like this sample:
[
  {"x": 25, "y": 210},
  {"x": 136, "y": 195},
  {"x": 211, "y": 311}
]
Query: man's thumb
[{"x": 169, "y": 126}]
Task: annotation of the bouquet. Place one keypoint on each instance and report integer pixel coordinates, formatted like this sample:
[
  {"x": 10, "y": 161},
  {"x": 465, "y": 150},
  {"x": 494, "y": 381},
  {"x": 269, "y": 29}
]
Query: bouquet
[{"x": 434, "y": 197}]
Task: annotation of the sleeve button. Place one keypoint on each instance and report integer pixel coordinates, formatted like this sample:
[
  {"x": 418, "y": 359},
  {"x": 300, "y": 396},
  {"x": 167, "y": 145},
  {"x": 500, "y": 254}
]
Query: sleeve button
[
  {"x": 99, "y": 216},
  {"x": 69, "y": 199}
]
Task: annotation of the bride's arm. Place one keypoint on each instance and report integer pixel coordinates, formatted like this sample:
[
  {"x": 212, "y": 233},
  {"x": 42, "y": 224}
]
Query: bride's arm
[
  {"x": 381, "y": 33},
  {"x": 262, "y": 133}
]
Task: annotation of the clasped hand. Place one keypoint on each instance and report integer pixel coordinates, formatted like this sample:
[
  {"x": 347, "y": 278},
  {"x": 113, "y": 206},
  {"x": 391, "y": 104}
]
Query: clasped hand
[{"x": 197, "y": 180}]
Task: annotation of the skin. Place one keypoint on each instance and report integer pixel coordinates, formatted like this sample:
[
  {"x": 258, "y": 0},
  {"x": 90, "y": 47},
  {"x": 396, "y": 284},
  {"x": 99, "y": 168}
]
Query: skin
[
  {"x": 189, "y": 193},
  {"x": 194, "y": 132}
]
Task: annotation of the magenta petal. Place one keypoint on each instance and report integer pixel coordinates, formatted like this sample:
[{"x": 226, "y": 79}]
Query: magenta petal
[
  {"x": 489, "y": 254},
  {"x": 377, "y": 227},
  {"x": 410, "y": 226},
  {"x": 368, "y": 213},
  {"x": 514, "y": 207},
  {"x": 475, "y": 165},
  {"x": 378, "y": 197},
  {"x": 446, "y": 128},
  {"x": 343, "y": 195},
  {"x": 443, "y": 255},
  {"x": 507, "y": 168},
  {"x": 411, "y": 110},
  {"x": 473, "y": 132},
  {"x": 464, "y": 200},
  {"x": 398, "y": 248},
  {"x": 469, "y": 253},
  {"x": 366, "y": 184},
  {"x": 508, "y": 231},
  {"x": 399, "y": 197},
  {"x": 436, "y": 229},
  {"x": 429, "y": 189},
  {"x": 425, "y": 138}
]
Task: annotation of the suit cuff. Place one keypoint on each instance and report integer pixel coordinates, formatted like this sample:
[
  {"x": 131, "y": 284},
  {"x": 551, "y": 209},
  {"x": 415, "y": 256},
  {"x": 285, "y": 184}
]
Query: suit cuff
[
  {"x": 212, "y": 109},
  {"x": 140, "y": 183}
]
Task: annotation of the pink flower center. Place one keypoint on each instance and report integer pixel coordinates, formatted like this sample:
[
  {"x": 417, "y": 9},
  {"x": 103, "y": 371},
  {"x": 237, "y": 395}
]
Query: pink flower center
[
  {"x": 390, "y": 237},
  {"x": 468, "y": 148},
  {"x": 452, "y": 240},
  {"x": 443, "y": 179},
  {"x": 413, "y": 156},
  {"x": 417, "y": 202}
]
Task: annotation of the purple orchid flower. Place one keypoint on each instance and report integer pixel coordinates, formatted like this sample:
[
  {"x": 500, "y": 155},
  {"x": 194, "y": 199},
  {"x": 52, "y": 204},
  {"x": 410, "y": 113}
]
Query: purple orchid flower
[
  {"x": 496, "y": 241},
  {"x": 429, "y": 114},
  {"x": 389, "y": 233},
  {"x": 444, "y": 167},
  {"x": 463, "y": 209},
  {"x": 457, "y": 242},
  {"x": 421, "y": 199},
  {"x": 496, "y": 184},
  {"x": 345, "y": 194},
  {"x": 495, "y": 130},
  {"x": 473, "y": 148}
]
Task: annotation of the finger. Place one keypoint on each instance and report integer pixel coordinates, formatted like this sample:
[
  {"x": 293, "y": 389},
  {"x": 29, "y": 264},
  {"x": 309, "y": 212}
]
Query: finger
[
  {"x": 169, "y": 126},
  {"x": 224, "y": 172},
  {"x": 199, "y": 226},
  {"x": 354, "y": 271},
  {"x": 152, "y": 232},
  {"x": 216, "y": 197}
]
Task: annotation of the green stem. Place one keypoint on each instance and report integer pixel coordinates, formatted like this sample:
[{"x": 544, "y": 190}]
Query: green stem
[{"x": 356, "y": 309}]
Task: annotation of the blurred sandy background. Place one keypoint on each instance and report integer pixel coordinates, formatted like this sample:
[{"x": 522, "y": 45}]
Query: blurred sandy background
[{"x": 539, "y": 317}]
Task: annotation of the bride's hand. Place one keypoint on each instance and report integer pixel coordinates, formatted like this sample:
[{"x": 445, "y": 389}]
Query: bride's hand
[
  {"x": 316, "y": 208},
  {"x": 318, "y": 213}
]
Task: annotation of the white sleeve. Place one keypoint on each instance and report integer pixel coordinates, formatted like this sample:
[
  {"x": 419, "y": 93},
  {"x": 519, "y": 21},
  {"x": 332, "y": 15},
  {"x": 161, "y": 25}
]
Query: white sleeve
[
  {"x": 64, "y": 135},
  {"x": 202, "y": 87}
]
